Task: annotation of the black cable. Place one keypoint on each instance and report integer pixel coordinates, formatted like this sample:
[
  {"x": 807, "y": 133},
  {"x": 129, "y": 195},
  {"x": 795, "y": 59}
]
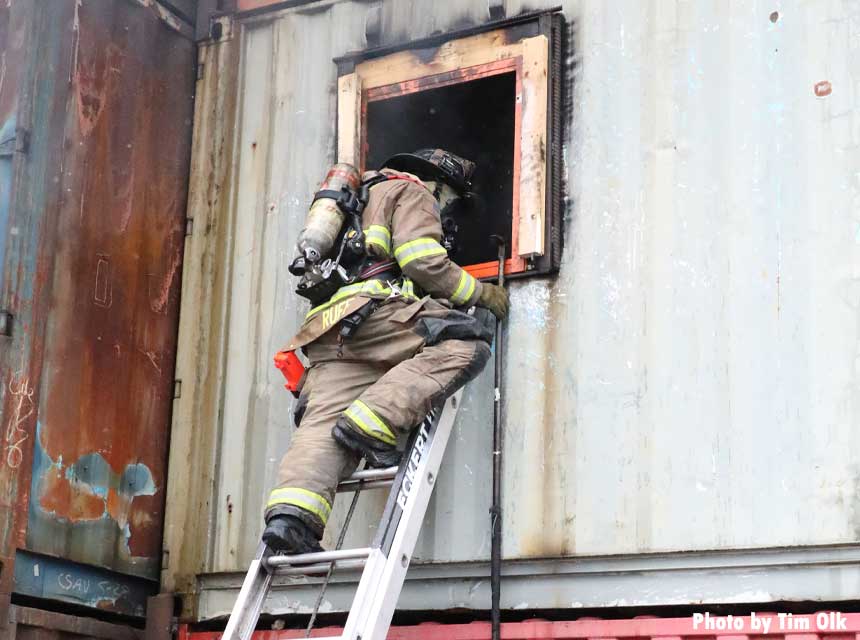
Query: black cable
[
  {"x": 330, "y": 571},
  {"x": 496, "y": 508}
]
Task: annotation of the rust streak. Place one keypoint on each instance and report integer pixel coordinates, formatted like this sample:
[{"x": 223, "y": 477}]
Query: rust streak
[
  {"x": 68, "y": 499},
  {"x": 160, "y": 302},
  {"x": 823, "y": 88},
  {"x": 153, "y": 359}
]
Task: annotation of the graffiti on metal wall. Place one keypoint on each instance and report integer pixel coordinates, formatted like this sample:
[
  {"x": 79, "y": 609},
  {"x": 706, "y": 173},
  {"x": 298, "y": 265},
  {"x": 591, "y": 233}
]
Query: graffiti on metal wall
[
  {"x": 23, "y": 407},
  {"x": 59, "y": 579}
]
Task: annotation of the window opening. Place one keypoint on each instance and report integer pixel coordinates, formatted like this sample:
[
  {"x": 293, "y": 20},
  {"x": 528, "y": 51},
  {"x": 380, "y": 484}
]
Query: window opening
[
  {"x": 476, "y": 119},
  {"x": 493, "y": 97}
]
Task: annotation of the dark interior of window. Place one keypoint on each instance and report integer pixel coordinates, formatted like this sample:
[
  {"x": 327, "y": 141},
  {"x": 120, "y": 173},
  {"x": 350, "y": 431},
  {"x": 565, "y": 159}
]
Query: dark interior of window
[{"x": 473, "y": 119}]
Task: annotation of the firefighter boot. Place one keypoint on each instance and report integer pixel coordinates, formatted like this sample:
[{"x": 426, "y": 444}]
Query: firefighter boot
[
  {"x": 377, "y": 453},
  {"x": 289, "y": 535}
]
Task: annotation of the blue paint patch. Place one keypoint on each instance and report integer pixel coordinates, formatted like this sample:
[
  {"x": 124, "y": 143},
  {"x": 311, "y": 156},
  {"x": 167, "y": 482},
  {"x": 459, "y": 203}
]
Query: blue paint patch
[
  {"x": 42, "y": 464},
  {"x": 92, "y": 469},
  {"x": 46, "y": 577},
  {"x": 136, "y": 480},
  {"x": 92, "y": 474},
  {"x": 7, "y": 144}
]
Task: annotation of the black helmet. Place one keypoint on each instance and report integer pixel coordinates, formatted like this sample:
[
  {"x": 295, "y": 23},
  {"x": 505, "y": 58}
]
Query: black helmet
[{"x": 435, "y": 164}]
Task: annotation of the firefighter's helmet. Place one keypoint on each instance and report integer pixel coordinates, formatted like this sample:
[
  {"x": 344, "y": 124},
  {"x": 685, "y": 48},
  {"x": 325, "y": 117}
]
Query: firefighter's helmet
[{"x": 435, "y": 164}]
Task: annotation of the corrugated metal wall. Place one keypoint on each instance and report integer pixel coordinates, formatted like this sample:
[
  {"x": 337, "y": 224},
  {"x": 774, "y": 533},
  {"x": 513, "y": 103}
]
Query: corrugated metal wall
[{"x": 687, "y": 382}]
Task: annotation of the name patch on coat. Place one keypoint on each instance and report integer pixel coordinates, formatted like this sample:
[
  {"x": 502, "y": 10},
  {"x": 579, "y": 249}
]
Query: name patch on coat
[{"x": 333, "y": 315}]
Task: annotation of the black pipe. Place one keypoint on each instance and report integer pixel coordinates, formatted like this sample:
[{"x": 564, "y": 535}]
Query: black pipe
[{"x": 496, "y": 508}]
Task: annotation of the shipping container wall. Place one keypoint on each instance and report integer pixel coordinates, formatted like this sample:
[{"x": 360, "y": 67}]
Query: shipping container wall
[
  {"x": 15, "y": 34},
  {"x": 94, "y": 225},
  {"x": 687, "y": 382}
]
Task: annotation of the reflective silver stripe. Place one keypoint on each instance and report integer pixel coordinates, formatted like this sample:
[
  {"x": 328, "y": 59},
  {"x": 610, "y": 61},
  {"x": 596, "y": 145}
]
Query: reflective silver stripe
[
  {"x": 465, "y": 289},
  {"x": 364, "y": 417},
  {"x": 415, "y": 249},
  {"x": 380, "y": 236},
  {"x": 302, "y": 498}
]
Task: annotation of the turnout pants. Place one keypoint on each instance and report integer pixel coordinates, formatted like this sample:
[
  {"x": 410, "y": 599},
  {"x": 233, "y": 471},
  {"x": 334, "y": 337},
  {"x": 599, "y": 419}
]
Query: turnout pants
[{"x": 404, "y": 358}]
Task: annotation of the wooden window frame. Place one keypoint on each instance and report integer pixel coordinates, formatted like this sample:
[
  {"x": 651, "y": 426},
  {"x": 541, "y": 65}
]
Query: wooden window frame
[{"x": 454, "y": 62}]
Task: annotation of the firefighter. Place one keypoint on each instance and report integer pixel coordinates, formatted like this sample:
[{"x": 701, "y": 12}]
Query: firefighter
[{"x": 416, "y": 347}]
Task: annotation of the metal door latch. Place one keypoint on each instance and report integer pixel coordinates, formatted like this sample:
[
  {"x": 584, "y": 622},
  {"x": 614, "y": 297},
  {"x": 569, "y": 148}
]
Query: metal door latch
[
  {"x": 5, "y": 324},
  {"x": 19, "y": 143}
]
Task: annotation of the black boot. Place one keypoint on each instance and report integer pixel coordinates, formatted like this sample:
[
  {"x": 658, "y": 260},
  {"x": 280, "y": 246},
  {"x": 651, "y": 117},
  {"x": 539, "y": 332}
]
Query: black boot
[
  {"x": 289, "y": 535},
  {"x": 377, "y": 453}
]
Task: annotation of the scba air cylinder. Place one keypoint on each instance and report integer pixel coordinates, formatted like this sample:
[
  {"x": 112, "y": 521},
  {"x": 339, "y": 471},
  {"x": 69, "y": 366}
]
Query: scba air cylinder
[{"x": 325, "y": 219}]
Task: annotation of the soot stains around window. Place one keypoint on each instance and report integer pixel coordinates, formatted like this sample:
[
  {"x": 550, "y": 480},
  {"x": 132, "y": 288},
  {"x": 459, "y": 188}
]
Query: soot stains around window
[{"x": 473, "y": 119}]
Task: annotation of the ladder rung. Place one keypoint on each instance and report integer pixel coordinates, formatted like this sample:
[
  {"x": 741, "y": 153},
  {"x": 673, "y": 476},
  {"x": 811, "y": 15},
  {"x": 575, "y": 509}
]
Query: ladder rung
[
  {"x": 348, "y": 485},
  {"x": 318, "y": 568},
  {"x": 373, "y": 474},
  {"x": 318, "y": 556}
]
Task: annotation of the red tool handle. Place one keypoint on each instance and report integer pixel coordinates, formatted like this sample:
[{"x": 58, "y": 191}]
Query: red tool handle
[{"x": 292, "y": 368}]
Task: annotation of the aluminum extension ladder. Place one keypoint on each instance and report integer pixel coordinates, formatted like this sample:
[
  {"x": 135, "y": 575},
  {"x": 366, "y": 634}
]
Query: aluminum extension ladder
[{"x": 385, "y": 562}]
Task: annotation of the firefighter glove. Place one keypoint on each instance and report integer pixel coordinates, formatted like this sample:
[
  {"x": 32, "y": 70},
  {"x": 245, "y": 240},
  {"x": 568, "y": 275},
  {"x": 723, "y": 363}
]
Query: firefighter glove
[{"x": 494, "y": 298}]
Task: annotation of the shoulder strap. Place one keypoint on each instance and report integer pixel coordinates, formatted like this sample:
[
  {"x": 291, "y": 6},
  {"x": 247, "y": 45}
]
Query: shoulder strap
[
  {"x": 408, "y": 177},
  {"x": 374, "y": 180},
  {"x": 378, "y": 178}
]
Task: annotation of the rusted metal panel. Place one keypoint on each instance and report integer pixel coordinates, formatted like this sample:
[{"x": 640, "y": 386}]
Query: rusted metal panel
[
  {"x": 160, "y": 623},
  {"x": 26, "y": 623},
  {"x": 92, "y": 271},
  {"x": 13, "y": 139},
  {"x": 35, "y": 93},
  {"x": 100, "y": 446}
]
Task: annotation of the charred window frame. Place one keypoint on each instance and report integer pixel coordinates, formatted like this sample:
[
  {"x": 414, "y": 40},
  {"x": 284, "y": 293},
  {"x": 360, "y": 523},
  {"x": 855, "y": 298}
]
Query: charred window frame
[{"x": 529, "y": 46}]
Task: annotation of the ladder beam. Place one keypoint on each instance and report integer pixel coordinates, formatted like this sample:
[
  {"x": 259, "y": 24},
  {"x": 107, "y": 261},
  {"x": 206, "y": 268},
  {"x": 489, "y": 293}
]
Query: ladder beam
[
  {"x": 319, "y": 568},
  {"x": 385, "y": 563},
  {"x": 345, "y": 487},
  {"x": 373, "y": 474},
  {"x": 317, "y": 556},
  {"x": 255, "y": 588},
  {"x": 382, "y": 580}
]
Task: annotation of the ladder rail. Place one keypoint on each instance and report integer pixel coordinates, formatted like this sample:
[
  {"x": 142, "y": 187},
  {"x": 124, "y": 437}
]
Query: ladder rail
[
  {"x": 252, "y": 596},
  {"x": 382, "y": 581},
  {"x": 385, "y": 562}
]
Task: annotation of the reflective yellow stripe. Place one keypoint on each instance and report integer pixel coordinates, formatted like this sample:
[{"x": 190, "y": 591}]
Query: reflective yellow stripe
[
  {"x": 465, "y": 289},
  {"x": 307, "y": 500},
  {"x": 371, "y": 286},
  {"x": 415, "y": 249},
  {"x": 369, "y": 422},
  {"x": 380, "y": 236}
]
